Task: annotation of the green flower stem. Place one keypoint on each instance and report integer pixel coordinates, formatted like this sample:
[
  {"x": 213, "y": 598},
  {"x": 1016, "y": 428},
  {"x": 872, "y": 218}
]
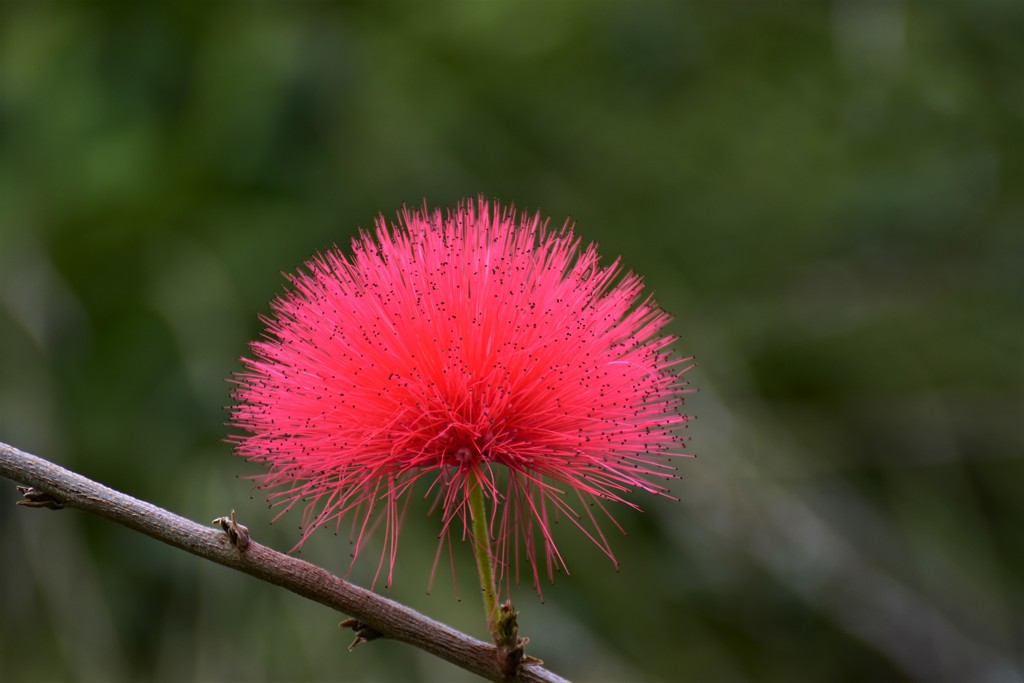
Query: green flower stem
[{"x": 482, "y": 550}]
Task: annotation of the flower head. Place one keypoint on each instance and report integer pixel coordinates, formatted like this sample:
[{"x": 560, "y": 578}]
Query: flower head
[{"x": 476, "y": 348}]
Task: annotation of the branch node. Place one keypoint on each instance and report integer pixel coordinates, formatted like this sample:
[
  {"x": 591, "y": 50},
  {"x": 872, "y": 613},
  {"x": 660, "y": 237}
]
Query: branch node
[
  {"x": 364, "y": 632},
  {"x": 34, "y": 498},
  {"x": 510, "y": 654},
  {"x": 237, "y": 533}
]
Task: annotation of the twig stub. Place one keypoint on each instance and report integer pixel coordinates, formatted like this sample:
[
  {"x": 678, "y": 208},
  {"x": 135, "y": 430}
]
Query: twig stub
[
  {"x": 34, "y": 498},
  {"x": 237, "y": 533},
  {"x": 364, "y": 632}
]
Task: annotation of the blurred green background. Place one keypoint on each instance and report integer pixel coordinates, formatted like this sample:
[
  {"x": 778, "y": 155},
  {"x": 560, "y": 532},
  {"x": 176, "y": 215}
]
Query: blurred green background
[{"x": 829, "y": 196}]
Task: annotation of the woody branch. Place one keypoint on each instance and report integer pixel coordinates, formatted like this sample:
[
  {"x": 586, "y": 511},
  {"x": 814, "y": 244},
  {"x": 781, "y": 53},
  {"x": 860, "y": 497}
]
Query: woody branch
[{"x": 374, "y": 615}]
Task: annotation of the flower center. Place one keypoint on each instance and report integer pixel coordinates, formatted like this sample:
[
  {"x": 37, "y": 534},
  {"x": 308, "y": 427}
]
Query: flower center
[{"x": 465, "y": 456}]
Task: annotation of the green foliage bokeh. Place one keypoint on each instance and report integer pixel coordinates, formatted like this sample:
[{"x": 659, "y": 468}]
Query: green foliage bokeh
[{"x": 829, "y": 196}]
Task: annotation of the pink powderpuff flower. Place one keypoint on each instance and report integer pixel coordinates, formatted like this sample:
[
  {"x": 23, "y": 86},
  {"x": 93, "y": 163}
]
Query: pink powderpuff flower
[{"x": 473, "y": 348}]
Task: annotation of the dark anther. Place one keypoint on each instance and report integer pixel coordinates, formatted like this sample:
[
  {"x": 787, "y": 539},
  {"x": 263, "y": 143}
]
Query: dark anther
[
  {"x": 364, "y": 632},
  {"x": 237, "y": 533},
  {"x": 34, "y": 498}
]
